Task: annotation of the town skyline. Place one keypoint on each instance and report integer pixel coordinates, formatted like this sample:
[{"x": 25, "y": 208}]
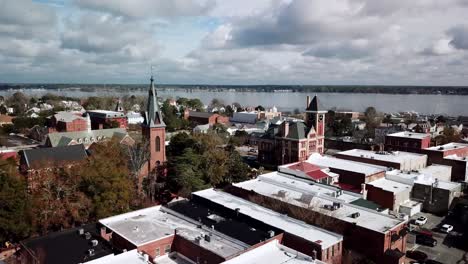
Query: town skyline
[{"x": 241, "y": 42}]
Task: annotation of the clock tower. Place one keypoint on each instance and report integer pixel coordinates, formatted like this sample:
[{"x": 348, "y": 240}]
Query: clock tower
[{"x": 315, "y": 118}]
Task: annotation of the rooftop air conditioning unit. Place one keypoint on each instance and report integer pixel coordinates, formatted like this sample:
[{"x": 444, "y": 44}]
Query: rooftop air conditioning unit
[
  {"x": 81, "y": 231},
  {"x": 91, "y": 252},
  {"x": 355, "y": 215},
  {"x": 94, "y": 242},
  {"x": 88, "y": 235}
]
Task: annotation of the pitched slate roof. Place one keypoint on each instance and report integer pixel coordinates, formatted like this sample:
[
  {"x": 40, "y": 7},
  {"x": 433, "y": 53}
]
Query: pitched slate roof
[
  {"x": 315, "y": 105},
  {"x": 153, "y": 115},
  {"x": 64, "y": 138},
  {"x": 46, "y": 157},
  {"x": 297, "y": 130}
]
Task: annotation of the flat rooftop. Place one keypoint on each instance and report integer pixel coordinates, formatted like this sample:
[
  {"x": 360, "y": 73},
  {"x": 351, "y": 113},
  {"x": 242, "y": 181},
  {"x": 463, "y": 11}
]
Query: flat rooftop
[
  {"x": 272, "y": 253},
  {"x": 420, "y": 178},
  {"x": 393, "y": 156},
  {"x": 151, "y": 224},
  {"x": 449, "y": 146},
  {"x": 290, "y": 193},
  {"x": 124, "y": 258},
  {"x": 406, "y": 134},
  {"x": 221, "y": 222},
  {"x": 68, "y": 246},
  {"x": 288, "y": 224},
  {"x": 309, "y": 186},
  {"x": 390, "y": 186},
  {"x": 346, "y": 165}
]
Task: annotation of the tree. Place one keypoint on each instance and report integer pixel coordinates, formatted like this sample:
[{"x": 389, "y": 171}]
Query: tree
[
  {"x": 297, "y": 111},
  {"x": 19, "y": 102},
  {"x": 14, "y": 217},
  {"x": 370, "y": 117},
  {"x": 239, "y": 138},
  {"x": 106, "y": 180},
  {"x": 138, "y": 155},
  {"x": 217, "y": 102},
  {"x": 186, "y": 174},
  {"x": 237, "y": 170},
  {"x": 195, "y": 104},
  {"x": 260, "y": 108}
]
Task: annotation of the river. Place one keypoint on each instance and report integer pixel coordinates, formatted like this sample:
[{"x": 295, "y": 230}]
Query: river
[{"x": 452, "y": 105}]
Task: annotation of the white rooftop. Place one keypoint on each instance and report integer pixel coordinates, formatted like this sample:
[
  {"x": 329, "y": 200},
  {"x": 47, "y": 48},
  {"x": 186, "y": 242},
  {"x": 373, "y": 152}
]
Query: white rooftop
[
  {"x": 270, "y": 217},
  {"x": 150, "y": 224},
  {"x": 449, "y": 146},
  {"x": 309, "y": 186},
  {"x": 346, "y": 165},
  {"x": 390, "y": 186},
  {"x": 272, "y": 253},
  {"x": 68, "y": 116},
  {"x": 394, "y": 156},
  {"x": 132, "y": 256},
  {"x": 406, "y": 134},
  {"x": 305, "y": 197},
  {"x": 420, "y": 178},
  {"x": 456, "y": 157}
]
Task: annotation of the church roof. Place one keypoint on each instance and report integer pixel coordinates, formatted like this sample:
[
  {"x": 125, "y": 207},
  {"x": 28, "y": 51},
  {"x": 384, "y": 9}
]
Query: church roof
[
  {"x": 153, "y": 115},
  {"x": 65, "y": 138},
  {"x": 46, "y": 157}
]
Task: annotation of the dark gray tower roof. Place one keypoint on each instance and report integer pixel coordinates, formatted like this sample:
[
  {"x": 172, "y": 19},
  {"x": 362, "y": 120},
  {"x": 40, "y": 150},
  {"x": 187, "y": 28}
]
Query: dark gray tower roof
[{"x": 153, "y": 116}]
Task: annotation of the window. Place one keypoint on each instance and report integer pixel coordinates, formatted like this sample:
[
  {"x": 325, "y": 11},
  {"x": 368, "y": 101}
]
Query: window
[
  {"x": 167, "y": 249},
  {"x": 333, "y": 251},
  {"x": 157, "y": 252},
  {"x": 158, "y": 144}
]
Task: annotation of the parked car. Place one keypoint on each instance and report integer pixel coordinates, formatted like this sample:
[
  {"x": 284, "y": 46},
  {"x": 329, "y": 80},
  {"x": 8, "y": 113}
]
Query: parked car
[
  {"x": 424, "y": 232},
  {"x": 446, "y": 228},
  {"x": 416, "y": 255},
  {"x": 422, "y": 220},
  {"x": 431, "y": 261},
  {"x": 426, "y": 240}
]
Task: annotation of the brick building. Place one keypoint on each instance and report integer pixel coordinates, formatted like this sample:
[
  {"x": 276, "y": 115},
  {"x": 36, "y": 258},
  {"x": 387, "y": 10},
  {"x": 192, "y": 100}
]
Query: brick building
[
  {"x": 293, "y": 141},
  {"x": 407, "y": 141},
  {"x": 452, "y": 154},
  {"x": 181, "y": 229},
  {"x": 64, "y": 121},
  {"x": 387, "y": 193},
  {"x": 34, "y": 162},
  {"x": 352, "y": 174},
  {"x": 101, "y": 119},
  {"x": 153, "y": 130},
  {"x": 391, "y": 159},
  {"x": 202, "y": 118},
  {"x": 310, "y": 171},
  {"x": 301, "y": 200}
]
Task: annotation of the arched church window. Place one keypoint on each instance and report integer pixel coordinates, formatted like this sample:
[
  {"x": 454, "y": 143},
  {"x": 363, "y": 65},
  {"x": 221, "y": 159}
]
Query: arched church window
[{"x": 158, "y": 144}]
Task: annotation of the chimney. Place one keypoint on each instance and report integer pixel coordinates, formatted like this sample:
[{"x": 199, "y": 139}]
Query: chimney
[{"x": 308, "y": 102}]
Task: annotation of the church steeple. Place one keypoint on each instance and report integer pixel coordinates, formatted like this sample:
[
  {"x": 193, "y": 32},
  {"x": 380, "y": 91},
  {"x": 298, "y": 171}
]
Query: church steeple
[{"x": 153, "y": 116}]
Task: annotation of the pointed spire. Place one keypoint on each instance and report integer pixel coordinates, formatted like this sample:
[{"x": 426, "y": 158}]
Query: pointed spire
[{"x": 153, "y": 114}]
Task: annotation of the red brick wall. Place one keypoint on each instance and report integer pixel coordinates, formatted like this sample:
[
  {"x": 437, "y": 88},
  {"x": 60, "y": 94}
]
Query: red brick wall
[
  {"x": 160, "y": 244},
  {"x": 380, "y": 196},
  {"x": 151, "y": 135},
  {"x": 195, "y": 252}
]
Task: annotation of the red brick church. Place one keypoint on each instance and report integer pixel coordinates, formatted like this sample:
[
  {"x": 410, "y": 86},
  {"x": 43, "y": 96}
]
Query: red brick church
[
  {"x": 154, "y": 131},
  {"x": 293, "y": 140}
]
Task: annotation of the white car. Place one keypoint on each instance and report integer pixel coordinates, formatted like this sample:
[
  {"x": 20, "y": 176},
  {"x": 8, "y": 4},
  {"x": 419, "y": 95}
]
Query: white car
[
  {"x": 422, "y": 220},
  {"x": 446, "y": 228}
]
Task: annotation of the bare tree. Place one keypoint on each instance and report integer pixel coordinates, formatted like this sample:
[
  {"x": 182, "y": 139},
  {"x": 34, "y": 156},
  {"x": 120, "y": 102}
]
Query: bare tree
[{"x": 138, "y": 155}]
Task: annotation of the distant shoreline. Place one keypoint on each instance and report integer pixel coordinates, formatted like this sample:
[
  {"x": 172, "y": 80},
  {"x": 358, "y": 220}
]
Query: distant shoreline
[{"x": 355, "y": 89}]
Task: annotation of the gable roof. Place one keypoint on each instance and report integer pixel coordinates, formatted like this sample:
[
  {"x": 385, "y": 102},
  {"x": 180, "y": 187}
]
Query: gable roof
[
  {"x": 64, "y": 138},
  {"x": 46, "y": 157}
]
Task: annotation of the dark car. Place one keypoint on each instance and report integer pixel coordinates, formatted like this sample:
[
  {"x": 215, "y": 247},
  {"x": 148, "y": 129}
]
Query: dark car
[
  {"x": 431, "y": 261},
  {"x": 426, "y": 240},
  {"x": 416, "y": 255}
]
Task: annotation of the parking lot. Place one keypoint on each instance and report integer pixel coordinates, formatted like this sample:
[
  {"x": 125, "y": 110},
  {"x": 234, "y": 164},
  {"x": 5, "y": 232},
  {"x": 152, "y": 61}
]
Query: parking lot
[{"x": 444, "y": 252}]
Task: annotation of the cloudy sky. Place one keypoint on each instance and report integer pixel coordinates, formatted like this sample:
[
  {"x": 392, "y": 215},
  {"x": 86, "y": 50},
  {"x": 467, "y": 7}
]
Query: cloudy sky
[{"x": 417, "y": 42}]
